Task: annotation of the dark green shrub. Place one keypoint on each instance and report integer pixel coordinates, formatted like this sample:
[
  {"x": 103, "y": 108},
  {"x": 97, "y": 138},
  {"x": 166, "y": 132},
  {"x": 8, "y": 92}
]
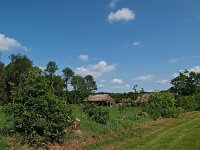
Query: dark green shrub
[
  {"x": 39, "y": 116},
  {"x": 161, "y": 105},
  {"x": 197, "y": 98},
  {"x": 97, "y": 113},
  {"x": 188, "y": 103}
]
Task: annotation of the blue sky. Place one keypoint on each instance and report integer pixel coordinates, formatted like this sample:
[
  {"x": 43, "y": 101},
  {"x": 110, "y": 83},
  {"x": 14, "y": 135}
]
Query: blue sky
[{"x": 120, "y": 42}]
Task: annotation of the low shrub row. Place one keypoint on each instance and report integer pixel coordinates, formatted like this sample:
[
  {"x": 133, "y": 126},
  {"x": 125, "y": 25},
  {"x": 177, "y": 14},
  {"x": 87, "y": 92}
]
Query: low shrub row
[{"x": 98, "y": 114}]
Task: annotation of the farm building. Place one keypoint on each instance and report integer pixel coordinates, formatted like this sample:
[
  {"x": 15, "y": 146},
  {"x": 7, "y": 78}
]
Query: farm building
[
  {"x": 143, "y": 98},
  {"x": 101, "y": 99}
]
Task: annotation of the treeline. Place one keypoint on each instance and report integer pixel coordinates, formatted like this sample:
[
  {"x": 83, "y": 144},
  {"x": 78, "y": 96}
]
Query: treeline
[
  {"x": 36, "y": 100},
  {"x": 16, "y": 73},
  {"x": 183, "y": 96}
]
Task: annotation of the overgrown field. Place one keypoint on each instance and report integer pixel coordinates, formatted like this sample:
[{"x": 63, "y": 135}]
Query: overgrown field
[
  {"x": 172, "y": 134},
  {"x": 118, "y": 120},
  {"x": 124, "y": 130}
]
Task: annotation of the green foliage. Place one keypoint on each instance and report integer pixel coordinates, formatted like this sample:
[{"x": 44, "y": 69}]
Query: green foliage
[
  {"x": 97, "y": 113},
  {"x": 197, "y": 98},
  {"x": 51, "y": 68},
  {"x": 187, "y": 83},
  {"x": 2, "y": 83},
  {"x": 39, "y": 115},
  {"x": 188, "y": 103},
  {"x": 16, "y": 72},
  {"x": 161, "y": 105},
  {"x": 82, "y": 87}
]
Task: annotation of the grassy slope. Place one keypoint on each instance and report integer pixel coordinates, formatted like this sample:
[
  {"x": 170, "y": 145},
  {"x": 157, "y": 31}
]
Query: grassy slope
[
  {"x": 117, "y": 121},
  {"x": 172, "y": 134}
]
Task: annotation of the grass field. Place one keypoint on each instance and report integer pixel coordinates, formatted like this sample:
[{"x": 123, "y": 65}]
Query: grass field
[
  {"x": 128, "y": 131},
  {"x": 118, "y": 121},
  {"x": 165, "y": 134}
]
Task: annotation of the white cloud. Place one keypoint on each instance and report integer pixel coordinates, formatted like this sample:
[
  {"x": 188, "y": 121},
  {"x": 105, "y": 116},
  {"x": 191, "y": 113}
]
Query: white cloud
[
  {"x": 136, "y": 43},
  {"x": 162, "y": 81},
  {"x": 113, "y": 3},
  {"x": 42, "y": 68},
  {"x": 174, "y": 75},
  {"x": 83, "y": 57},
  {"x": 195, "y": 69},
  {"x": 195, "y": 56},
  {"x": 118, "y": 81},
  {"x": 175, "y": 59},
  {"x": 144, "y": 78},
  {"x": 103, "y": 81},
  {"x": 95, "y": 70},
  {"x": 101, "y": 85},
  {"x": 7, "y": 43},
  {"x": 124, "y": 14},
  {"x": 122, "y": 87}
]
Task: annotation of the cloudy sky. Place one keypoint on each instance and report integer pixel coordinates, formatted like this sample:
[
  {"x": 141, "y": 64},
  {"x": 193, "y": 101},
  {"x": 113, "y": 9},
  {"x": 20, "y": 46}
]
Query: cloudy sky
[{"x": 120, "y": 42}]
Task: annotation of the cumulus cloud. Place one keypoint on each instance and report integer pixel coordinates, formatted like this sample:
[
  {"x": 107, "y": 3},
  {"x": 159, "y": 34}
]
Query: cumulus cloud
[
  {"x": 124, "y": 14},
  {"x": 83, "y": 57},
  {"x": 136, "y": 43},
  {"x": 162, "y": 81},
  {"x": 7, "y": 43},
  {"x": 113, "y": 3},
  {"x": 195, "y": 69},
  {"x": 95, "y": 70},
  {"x": 118, "y": 81},
  {"x": 144, "y": 78}
]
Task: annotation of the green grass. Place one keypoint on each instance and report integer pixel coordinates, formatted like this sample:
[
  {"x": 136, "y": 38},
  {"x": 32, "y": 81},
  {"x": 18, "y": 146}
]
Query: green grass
[
  {"x": 171, "y": 134},
  {"x": 118, "y": 121}
]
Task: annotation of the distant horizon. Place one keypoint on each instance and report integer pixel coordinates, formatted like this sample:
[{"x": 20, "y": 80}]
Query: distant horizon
[{"x": 121, "y": 43}]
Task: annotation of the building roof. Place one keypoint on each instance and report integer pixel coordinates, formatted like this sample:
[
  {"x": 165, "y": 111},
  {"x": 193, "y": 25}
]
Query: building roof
[
  {"x": 143, "y": 98},
  {"x": 100, "y": 98}
]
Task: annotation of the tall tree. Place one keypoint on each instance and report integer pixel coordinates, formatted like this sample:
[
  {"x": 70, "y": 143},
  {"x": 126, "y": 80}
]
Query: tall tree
[
  {"x": 67, "y": 76},
  {"x": 51, "y": 68},
  {"x": 79, "y": 88},
  {"x": 90, "y": 84},
  {"x": 16, "y": 71},
  {"x": 2, "y": 82},
  {"x": 186, "y": 83},
  {"x": 50, "y": 71}
]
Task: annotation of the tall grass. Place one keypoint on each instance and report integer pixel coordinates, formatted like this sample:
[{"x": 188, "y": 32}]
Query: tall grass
[{"x": 118, "y": 120}]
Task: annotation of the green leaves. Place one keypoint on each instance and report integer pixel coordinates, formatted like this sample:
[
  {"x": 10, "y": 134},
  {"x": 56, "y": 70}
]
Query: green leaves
[
  {"x": 97, "y": 113},
  {"x": 39, "y": 115},
  {"x": 161, "y": 105}
]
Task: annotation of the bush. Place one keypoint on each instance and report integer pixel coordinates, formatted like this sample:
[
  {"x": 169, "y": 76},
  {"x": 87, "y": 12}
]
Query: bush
[
  {"x": 197, "y": 98},
  {"x": 161, "y": 105},
  {"x": 188, "y": 103},
  {"x": 97, "y": 113},
  {"x": 39, "y": 116}
]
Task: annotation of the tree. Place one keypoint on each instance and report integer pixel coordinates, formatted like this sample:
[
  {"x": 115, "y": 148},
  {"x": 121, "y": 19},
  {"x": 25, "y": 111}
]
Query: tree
[
  {"x": 51, "y": 68},
  {"x": 50, "y": 71},
  {"x": 16, "y": 71},
  {"x": 90, "y": 84},
  {"x": 2, "y": 83},
  {"x": 79, "y": 88},
  {"x": 186, "y": 83},
  {"x": 67, "y": 76},
  {"x": 58, "y": 85},
  {"x": 39, "y": 115},
  {"x": 161, "y": 105}
]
